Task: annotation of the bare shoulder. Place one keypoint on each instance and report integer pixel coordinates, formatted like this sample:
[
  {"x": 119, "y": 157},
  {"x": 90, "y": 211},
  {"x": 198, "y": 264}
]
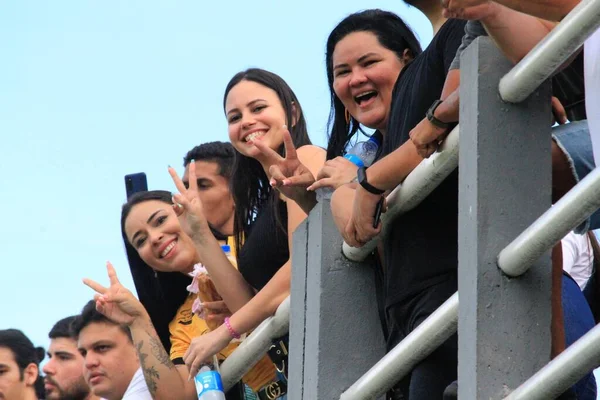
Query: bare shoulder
[{"x": 310, "y": 150}]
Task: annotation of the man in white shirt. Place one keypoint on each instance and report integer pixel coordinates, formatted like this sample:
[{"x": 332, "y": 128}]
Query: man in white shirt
[
  {"x": 111, "y": 365},
  {"x": 578, "y": 257}
]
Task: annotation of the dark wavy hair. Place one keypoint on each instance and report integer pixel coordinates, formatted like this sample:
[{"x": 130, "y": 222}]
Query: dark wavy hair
[
  {"x": 24, "y": 353},
  {"x": 249, "y": 183},
  {"x": 393, "y": 34},
  {"x": 161, "y": 293}
]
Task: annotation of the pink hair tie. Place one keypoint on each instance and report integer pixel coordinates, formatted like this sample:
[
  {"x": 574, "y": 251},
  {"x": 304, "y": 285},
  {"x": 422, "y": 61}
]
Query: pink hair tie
[{"x": 232, "y": 331}]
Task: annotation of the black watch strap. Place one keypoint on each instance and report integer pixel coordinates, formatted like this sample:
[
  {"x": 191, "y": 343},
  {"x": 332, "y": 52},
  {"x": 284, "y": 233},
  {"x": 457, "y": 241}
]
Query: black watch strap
[
  {"x": 362, "y": 180},
  {"x": 431, "y": 118}
]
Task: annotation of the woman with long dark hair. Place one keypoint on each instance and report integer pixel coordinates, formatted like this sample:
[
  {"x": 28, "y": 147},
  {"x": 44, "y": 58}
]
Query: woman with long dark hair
[
  {"x": 260, "y": 108},
  {"x": 166, "y": 319}
]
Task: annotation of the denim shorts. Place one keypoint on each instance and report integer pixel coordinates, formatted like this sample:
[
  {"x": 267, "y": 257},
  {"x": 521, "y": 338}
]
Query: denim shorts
[{"x": 575, "y": 142}]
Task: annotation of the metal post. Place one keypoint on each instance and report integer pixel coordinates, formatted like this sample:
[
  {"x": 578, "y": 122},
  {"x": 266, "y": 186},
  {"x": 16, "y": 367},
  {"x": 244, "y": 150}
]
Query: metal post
[
  {"x": 342, "y": 333},
  {"x": 505, "y": 174},
  {"x": 398, "y": 363},
  {"x": 298, "y": 312}
]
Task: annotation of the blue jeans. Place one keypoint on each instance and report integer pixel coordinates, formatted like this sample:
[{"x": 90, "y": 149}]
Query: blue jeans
[
  {"x": 575, "y": 142},
  {"x": 578, "y": 320}
]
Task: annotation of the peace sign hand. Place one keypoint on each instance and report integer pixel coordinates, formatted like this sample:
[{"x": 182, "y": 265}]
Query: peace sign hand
[
  {"x": 288, "y": 175},
  {"x": 116, "y": 302},
  {"x": 187, "y": 204}
]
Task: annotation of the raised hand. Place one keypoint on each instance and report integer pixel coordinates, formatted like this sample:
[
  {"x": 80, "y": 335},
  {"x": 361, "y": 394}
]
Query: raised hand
[
  {"x": 288, "y": 175},
  {"x": 335, "y": 173},
  {"x": 187, "y": 204},
  {"x": 116, "y": 302}
]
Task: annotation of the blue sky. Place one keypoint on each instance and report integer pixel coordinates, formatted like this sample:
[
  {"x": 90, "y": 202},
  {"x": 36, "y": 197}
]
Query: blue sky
[{"x": 93, "y": 90}]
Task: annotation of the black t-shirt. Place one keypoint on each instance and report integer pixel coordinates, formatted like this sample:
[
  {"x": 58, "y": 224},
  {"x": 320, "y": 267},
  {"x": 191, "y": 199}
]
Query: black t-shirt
[
  {"x": 422, "y": 246},
  {"x": 266, "y": 248}
]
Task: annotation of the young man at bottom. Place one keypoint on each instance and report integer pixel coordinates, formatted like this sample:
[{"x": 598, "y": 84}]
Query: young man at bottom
[
  {"x": 111, "y": 366},
  {"x": 64, "y": 372}
]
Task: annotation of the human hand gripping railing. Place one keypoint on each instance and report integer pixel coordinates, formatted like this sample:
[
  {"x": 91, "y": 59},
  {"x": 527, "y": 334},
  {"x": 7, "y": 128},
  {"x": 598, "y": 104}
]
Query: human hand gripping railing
[
  {"x": 553, "y": 51},
  {"x": 255, "y": 346},
  {"x": 416, "y": 187}
]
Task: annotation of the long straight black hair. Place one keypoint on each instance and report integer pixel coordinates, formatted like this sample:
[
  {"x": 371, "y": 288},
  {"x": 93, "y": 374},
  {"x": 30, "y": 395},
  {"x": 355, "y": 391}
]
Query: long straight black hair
[
  {"x": 393, "y": 34},
  {"x": 249, "y": 183},
  {"x": 161, "y": 293}
]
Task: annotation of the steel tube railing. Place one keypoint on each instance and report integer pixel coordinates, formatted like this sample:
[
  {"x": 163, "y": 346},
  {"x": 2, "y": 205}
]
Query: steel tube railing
[
  {"x": 421, "y": 342},
  {"x": 416, "y": 187},
  {"x": 255, "y": 346},
  {"x": 572, "y": 209},
  {"x": 564, "y": 371},
  {"x": 553, "y": 51}
]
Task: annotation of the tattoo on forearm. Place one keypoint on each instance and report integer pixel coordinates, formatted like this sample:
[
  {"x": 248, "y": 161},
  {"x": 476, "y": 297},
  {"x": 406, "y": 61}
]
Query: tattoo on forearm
[
  {"x": 150, "y": 373},
  {"x": 159, "y": 352}
]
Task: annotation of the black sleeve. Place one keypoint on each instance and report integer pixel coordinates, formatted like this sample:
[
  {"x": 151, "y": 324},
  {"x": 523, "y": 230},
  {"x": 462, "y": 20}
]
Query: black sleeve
[
  {"x": 178, "y": 361},
  {"x": 473, "y": 29},
  {"x": 450, "y": 38}
]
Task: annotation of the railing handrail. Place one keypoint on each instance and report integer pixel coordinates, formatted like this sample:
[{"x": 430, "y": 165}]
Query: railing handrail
[
  {"x": 416, "y": 187},
  {"x": 572, "y": 209},
  {"x": 552, "y": 52},
  {"x": 552, "y": 380},
  {"x": 255, "y": 346},
  {"x": 421, "y": 342}
]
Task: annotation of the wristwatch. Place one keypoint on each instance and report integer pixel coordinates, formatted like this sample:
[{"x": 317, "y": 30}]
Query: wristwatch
[
  {"x": 362, "y": 180},
  {"x": 431, "y": 118}
]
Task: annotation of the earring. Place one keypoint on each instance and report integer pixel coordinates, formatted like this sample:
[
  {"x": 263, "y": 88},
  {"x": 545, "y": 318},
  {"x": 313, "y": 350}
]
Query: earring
[
  {"x": 155, "y": 274},
  {"x": 347, "y": 116}
]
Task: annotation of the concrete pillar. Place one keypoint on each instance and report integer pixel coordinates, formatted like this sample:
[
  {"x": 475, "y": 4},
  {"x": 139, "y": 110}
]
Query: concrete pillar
[
  {"x": 334, "y": 318},
  {"x": 505, "y": 176}
]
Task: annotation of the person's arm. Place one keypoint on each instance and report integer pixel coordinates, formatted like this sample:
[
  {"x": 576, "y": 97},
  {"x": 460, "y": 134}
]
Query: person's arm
[
  {"x": 515, "y": 33},
  {"x": 164, "y": 380},
  {"x": 553, "y": 10},
  {"x": 269, "y": 298}
]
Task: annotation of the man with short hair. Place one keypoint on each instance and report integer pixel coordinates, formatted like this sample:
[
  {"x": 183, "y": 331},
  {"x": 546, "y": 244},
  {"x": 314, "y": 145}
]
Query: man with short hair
[
  {"x": 19, "y": 366},
  {"x": 111, "y": 365},
  {"x": 64, "y": 372},
  {"x": 214, "y": 162}
]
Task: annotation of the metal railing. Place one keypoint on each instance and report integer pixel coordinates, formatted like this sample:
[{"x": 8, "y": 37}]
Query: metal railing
[
  {"x": 562, "y": 372},
  {"x": 572, "y": 209},
  {"x": 255, "y": 346},
  {"x": 417, "y": 186},
  {"x": 421, "y": 342},
  {"x": 552, "y": 52}
]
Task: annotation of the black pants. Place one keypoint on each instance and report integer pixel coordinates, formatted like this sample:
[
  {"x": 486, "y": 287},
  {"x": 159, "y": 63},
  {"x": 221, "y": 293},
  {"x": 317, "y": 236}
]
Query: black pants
[{"x": 430, "y": 377}]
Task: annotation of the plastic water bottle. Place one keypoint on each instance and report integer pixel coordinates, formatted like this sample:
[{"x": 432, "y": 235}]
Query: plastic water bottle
[
  {"x": 227, "y": 250},
  {"x": 362, "y": 154},
  {"x": 208, "y": 382}
]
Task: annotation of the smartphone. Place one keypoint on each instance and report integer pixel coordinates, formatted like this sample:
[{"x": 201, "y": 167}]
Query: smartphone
[
  {"x": 377, "y": 216},
  {"x": 135, "y": 183}
]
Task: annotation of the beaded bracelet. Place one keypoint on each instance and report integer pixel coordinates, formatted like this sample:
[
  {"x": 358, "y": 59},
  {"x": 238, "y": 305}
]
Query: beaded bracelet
[{"x": 232, "y": 331}]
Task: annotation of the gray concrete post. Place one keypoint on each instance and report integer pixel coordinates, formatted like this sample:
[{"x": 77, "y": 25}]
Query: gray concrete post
[
  {"x": 342, "y": 335},
  {"x": 505, "y": 175}
]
